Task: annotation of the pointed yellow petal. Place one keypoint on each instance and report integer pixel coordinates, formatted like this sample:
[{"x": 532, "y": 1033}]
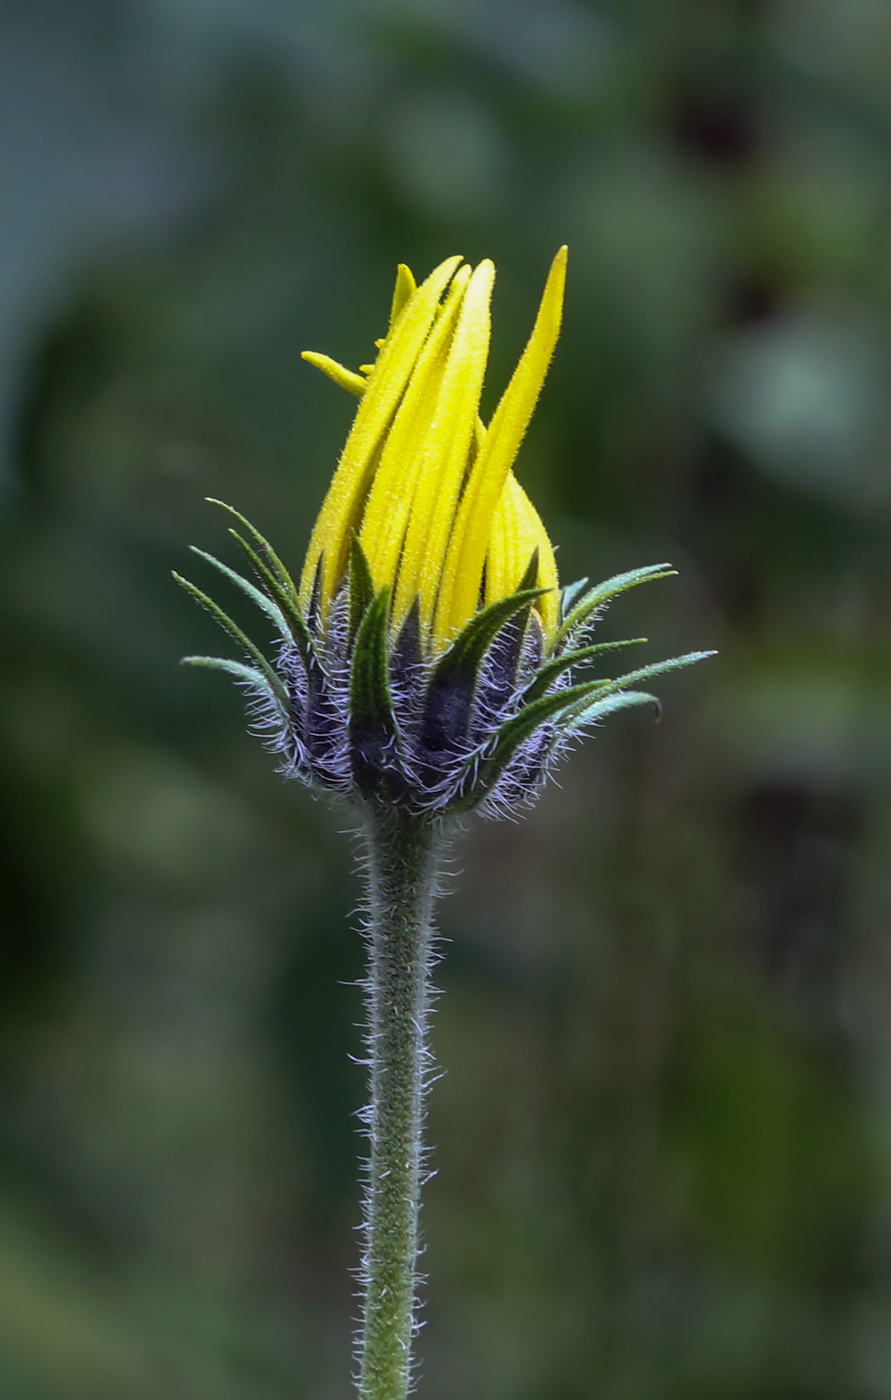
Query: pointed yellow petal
[
  {"x": 448, "y": 442},
  {"x": 516, "y": 532},
  {"x": 390, "y": 498},
  {"x": 459, "y": 591},
  {"x": 504, "y": 552},
  {"x": 403, "y": 291},
  {"x": 353, "y": 383},
  {"x": 346, "y": 378},
  {"x": 342, "y": 507}
]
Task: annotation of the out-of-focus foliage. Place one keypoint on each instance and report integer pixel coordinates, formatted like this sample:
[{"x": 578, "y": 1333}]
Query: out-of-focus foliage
[{"x": 662, "y": 1144}]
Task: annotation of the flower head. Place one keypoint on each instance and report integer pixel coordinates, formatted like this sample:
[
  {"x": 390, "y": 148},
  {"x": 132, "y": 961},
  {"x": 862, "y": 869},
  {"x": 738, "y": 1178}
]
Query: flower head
[
  {"x": 426, "y": 658},
  {"x": 426, "y": 487}
]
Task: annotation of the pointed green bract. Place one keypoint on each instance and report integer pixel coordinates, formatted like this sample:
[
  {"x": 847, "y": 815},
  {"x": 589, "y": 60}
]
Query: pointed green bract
[
  {"x": 276, "y": 592},
  {"x": 371, "y": 708},
  {"x": 237, "y": 636},
  {"x": 530, "y": 578},
  {"x": 595, "y": 598},
  {"x": 577, "y": 718},
  {"x": 620, "y": 684},
  {"x": 274, "y": 577},
  {"x": 547, "y": 674},
  {"x": 658, "y": 668},
  {"x": 462, "y": 661},
  {"x": 578, "y": 704},
  {"x": 264, "y": 603},
  {"x": 247, "y": 675},
  {"x": 522, "y": 726},
  {"x": 279, "y": 569},
  {"x": 569, "y": 593},
  {"x": 361, "y": 585}
]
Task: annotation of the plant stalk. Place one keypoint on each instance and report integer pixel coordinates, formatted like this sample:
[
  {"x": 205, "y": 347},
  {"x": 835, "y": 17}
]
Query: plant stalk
[{"x": 401, "y": 874}]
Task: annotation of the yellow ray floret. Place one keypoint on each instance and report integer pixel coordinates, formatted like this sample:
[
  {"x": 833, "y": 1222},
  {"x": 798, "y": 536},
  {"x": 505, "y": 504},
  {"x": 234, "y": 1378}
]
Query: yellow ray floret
[
  {"x": 430, "y": 492},
  {"x": 405, "y": 453},
  {"x": 463, "y": 566},
  {"x": 448, "y": 441},
  {"x": 516, "y": 533},
  {"x": 342, "y": 507}
]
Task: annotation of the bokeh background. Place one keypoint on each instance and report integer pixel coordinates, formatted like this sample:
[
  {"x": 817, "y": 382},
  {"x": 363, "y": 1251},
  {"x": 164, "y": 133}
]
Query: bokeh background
[{"x": 663, "y": 1139}]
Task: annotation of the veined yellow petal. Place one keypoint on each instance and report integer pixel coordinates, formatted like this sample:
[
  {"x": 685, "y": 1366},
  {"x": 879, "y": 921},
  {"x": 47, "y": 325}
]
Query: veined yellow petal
[
  {"x": 342, "y": 506},
  {"x": 345, "y": 378},
  {"x": 448, "y": 441},
  {"x": 459, "y": 590},
  {"x": 516, "y": 532},
  {"x": 392, "y": 491}
]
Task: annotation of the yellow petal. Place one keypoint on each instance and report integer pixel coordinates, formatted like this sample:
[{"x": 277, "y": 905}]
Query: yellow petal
[
  {"x": 403, "y": 292},
  {"x": 448, "y": 441},
  {"x": 345, "y": 378},
  {"x": 462, "y": 573},
  {"x": 517, "y": 532},
  {"x": 392, "y": 491},
  {"x": 342, "y": 507}
]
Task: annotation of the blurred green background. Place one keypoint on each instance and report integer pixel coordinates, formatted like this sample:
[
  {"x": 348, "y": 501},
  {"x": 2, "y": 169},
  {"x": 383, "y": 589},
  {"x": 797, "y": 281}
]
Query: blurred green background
[{"x": 663, "y": 1140}]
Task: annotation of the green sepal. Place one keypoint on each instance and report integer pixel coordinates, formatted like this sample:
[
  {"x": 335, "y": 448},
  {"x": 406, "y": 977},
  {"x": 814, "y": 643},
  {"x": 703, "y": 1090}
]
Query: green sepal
[
  {"x": 405, "y": 650},
  {"x": 491, "y": 764},
  {"x": 314, "y": 611},
  {"x": 450, "y": 693},
  {"x": 370, "y": 703},
  {"x": 297, "y": 628},
  {"x": 658, "y": 668},
  {"x": 276, "y": 580},
  {"x": 246, "y": 674},
  {"x": 373, "y": 724},
  {"x": 458, "y": 667},
  {"x": 610, "y": 688},
  {"x": 361, "y": 585},
  {"x": 515, "y": 630},
  {"x": 568, "y": 594},
  {"x": 281, "y": 572},
  {"x": 373, "y": 729},
  {"x": 265, "y": 604},
  {"x": 530, "y": 577},
  {"x": 548, "y": 673},
  {"x": 571, "y": 708},
  {"x": 237, "y": 636},
  {"x": 603, "y": 592},
  {"x": 582, "y": 714}
]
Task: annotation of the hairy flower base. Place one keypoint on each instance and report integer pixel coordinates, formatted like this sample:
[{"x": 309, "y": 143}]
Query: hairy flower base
[
  {"x": 355, "y": 711},
  {"x": 426, "y": 752}
]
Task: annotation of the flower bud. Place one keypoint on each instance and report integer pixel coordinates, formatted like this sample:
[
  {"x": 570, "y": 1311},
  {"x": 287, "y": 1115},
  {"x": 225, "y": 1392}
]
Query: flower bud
[{"x": 426, "y": 658}]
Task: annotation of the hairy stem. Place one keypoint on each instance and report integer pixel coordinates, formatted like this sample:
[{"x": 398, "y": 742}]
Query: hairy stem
[{"x": 403, "y": 854}]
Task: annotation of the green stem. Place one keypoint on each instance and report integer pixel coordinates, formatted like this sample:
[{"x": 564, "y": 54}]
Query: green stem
[{"x": 403, "y": 857}]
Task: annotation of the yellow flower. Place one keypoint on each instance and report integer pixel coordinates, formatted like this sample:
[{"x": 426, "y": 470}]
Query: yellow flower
[{"x": 426, "y": 487}]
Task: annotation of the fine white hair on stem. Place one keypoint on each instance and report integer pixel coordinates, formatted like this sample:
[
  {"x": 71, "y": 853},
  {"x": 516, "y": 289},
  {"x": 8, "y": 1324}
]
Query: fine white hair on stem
[{"x": 401, "y": 867}]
